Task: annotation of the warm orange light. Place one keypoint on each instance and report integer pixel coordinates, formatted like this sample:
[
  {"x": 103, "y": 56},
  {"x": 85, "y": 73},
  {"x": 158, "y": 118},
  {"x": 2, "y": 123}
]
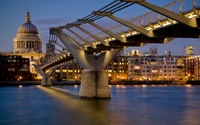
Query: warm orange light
[
  {"x": 20, "y": 77},
  {"x": 117, "y": 86},
  {"x": 144, "y": 85},
  {"x": 20, "y": 86},
  {"x": 188, "y": 85}
]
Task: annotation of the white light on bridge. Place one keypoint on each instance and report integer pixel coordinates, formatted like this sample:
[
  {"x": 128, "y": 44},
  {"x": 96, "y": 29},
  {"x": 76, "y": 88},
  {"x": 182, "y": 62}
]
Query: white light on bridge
[
  {"x": 122, "y": 35},
  {"x": 192, "y": 15},
  {"x": 148, "y": 28},
  {"x": 113, "y": 38},
  {"x": 157, "y": 26},
  {"x": 166, "y": 23},
  {"x": 128, "y": 34},
  {"x": 133, "y": 33}
]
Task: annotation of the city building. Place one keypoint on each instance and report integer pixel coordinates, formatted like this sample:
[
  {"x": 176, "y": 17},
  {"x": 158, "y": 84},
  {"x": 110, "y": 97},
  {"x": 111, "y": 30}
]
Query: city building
[
  {"x": 154, "y": 67},
  {"x": 70, "y": 71},
  {"x": 133, "y": 52},
  {"x": 14, "y": 68},
  {"x": 188, "y": 50},
  {"x": 192, "y": 67},
  {"x": 117, "y": 69},
  {"x": 138, "y": 66},
  {"x": 28, "y": 44}
]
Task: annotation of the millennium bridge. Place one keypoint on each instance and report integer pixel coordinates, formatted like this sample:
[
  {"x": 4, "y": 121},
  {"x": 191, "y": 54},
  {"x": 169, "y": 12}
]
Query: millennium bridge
[{"x": 95, "y": 52}]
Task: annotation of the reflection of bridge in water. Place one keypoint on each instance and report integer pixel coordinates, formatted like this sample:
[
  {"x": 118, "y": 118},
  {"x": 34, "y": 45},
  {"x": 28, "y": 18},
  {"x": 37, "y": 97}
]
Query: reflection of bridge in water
[{"x": 98, "y": 50}]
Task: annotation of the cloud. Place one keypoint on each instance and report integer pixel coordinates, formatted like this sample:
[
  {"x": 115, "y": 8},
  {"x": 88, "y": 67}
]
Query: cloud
[{"x": 51, "y": 21}]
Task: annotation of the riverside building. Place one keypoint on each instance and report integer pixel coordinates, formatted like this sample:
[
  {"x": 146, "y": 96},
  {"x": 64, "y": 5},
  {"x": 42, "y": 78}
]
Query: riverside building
[
  {"x": 192, "y": 67},
  {"x": 14, "y": 68},
  {"x": 117, "y": 69},
  {"x": 155, "y": 67},
  {"x": 70, "y": 71}
]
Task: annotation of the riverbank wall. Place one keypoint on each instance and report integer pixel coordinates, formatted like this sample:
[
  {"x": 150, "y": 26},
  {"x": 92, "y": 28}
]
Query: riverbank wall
[
  {"x": 131, "y": 82},
  {"x": 122, "y": 82}
]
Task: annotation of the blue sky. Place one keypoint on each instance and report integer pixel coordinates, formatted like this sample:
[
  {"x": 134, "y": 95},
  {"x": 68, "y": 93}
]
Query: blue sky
[{"x": 53, "y": 13}]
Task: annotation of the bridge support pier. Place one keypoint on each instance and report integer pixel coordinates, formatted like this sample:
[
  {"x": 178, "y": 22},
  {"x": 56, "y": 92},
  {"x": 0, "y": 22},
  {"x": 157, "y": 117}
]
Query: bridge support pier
[
  {"x": 46, "y": 81},
  {"x": 94, "y": 85}
]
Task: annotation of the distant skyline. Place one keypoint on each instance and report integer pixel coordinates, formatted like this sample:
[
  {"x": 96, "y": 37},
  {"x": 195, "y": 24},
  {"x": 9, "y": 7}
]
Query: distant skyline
[{"x": 51, "y": 13}]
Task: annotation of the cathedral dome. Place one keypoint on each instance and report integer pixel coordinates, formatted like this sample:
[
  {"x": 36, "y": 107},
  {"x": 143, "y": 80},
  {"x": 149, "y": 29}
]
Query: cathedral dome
[
  {"x": 27, "y": 27},
  {"x": 27, "y": 38}
]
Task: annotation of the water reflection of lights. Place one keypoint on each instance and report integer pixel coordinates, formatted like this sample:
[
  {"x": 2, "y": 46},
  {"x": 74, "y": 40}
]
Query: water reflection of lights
[
  {"x": 110, "y": 86},
  {"x": 188, "y": 85},
  {"x": 20, "y": 86},
  {"x": 120, "y": 86},
  {"x": 91, "y": 108},
  {"x": 123, "y": 86},
  {"x": 136, "y": 85},
  {"x": 144, "y": 85},
  {"x": 75, "y": 86}
]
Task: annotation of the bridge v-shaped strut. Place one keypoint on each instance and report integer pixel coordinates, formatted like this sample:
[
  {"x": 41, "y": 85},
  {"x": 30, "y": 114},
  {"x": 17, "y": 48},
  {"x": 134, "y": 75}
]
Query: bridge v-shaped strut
[
  {"x": 94, "y": 36},
  {"x": 81, "y": 38},
  {"x": 109, "y": 32},
  {"x": 80, "y": 46},
  {"x": 46, "y": 81}
]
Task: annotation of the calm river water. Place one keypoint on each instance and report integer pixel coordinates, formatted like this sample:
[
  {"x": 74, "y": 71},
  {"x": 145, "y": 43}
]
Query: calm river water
[{"x": 130, "y": 105}]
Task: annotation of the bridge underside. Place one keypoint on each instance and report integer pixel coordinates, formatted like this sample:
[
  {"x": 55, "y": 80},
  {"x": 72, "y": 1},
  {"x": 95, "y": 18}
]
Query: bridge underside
[{"x": 172, "y": 31}]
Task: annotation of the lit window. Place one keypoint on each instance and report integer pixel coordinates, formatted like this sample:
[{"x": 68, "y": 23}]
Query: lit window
[
  {"x": 57, "y": 70},
  {"x": 70, "y": 70}
]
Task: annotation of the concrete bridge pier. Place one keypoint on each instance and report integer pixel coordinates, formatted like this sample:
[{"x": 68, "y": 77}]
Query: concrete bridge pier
[
  {"x": 46, "y": 81},
  {"x": 94, "y": 84}
]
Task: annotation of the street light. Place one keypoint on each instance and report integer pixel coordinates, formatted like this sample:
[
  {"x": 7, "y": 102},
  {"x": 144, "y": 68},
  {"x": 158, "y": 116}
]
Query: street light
[
  {"x": 20, "y": 78},
  {"x": 109, "y": 77}
]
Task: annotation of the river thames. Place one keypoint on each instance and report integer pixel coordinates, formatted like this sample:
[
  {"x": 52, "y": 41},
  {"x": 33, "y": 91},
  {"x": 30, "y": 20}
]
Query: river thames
[{"x": 129, "y": 105}]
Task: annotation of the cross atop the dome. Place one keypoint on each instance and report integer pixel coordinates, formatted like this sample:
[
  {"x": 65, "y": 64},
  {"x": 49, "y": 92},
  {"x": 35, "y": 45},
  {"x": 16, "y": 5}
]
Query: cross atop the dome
[{"x": 28, "y": 18}]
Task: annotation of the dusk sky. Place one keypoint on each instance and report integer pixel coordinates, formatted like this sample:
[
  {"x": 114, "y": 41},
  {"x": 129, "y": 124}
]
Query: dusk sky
[{"x": 53, "y": 13}]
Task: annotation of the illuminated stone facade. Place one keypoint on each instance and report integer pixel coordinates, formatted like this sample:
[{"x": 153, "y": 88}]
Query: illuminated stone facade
[
  {"x": 156, "y": 68},
  {"x": 192, "y": 67},
  {"x": 28, "y": 44}
]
